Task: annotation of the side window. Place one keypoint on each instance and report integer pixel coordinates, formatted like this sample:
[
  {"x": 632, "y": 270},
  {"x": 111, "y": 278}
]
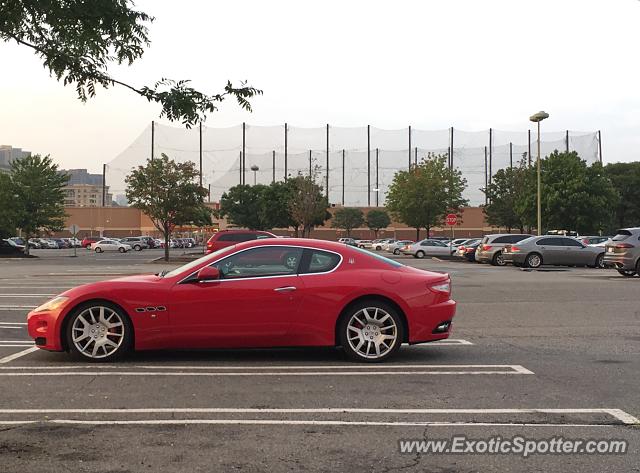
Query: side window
[
  {"x": 321, "y": 261},
  {"x": 227, "y": 237},
  {"x": 546, "y": 241},
  {"x": 571, "y": 242},
  {"x": 425, "y": 243},
  {"x": 502, "y": 239},
  {"x": 517, "y": 238},
  {"x": 261, "y": 262}
]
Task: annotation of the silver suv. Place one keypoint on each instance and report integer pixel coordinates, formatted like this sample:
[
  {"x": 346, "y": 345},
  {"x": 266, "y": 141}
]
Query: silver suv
[
  {"x": 490, "y": 248},
  {"x": 623, "y": 252}
]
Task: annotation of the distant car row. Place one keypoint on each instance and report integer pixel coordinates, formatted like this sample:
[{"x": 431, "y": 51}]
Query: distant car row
[{"x": 136, "y": 243}]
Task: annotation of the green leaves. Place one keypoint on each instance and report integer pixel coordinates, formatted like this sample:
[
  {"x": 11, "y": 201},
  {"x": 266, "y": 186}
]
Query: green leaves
[
  {"x": 347, "y": 218},
  {"x": 78, "y": 42},
  {"x": 423, "y": 196},
  {"x": 377, "y": 220}
]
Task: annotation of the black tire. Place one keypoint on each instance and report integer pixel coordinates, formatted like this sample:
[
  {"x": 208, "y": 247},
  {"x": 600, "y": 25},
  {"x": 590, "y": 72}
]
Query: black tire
[
  {"x": 127, "y": 340},
  {"x": 419, "y": 254},
  {"x": 533, "y": 260},
  {"x": 600, "y": 261},
  {"x": 627, "y": 273},
  {"x": 343, "y": 332},
  {"x": 498, "y": 259},
  {"x": 121, "y": 250},
  {"x": 396, "y": 251},
  {"x": 98, "y": 249},
  {"x": 137, "y": 248},
  {"x": 87, "y": 247}
]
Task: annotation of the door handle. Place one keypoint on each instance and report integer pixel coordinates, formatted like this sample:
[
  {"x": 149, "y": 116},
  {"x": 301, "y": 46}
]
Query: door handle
[{"x": 285, "y": 289}]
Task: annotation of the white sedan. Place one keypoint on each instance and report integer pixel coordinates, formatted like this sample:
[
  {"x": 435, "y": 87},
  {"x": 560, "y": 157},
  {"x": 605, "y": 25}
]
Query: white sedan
[
  {"x": 427, "y": 248},
  {"x": 110, "y": 245}
]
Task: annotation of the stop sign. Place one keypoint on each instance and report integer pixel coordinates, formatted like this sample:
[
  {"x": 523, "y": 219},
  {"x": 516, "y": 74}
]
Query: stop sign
[{"x": 452, "y": 219}]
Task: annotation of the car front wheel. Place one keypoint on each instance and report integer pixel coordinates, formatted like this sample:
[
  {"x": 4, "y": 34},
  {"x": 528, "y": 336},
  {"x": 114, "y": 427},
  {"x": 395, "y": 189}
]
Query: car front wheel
[
  {"x": 98, "y": 249},
  {"x": 99, "y": 331},
  {"x": 137, "y": 248},
  {"x": 534, "y": 260},
  {"x": 121, "y": 250},
  {"x": 370, "y": 331},
  {"x": 600, "y": 261},
  {"x": 420, "y": 254},
  {"x": 396, "y": 251}
]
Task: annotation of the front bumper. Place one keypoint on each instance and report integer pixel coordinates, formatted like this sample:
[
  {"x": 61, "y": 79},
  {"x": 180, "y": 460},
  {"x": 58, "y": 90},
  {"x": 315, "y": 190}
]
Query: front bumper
[{"x": 44, "y": 327}]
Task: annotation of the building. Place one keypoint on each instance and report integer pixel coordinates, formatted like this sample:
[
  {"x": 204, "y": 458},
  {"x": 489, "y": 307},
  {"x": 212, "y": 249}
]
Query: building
[
  {"x": 8, "y": 154},
  {"x": 85, "y": 189}
]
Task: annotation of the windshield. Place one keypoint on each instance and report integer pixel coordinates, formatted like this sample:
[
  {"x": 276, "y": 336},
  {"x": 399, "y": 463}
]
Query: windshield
[
  {"x": 390, "y": 262},
  {"x": 621, "y": 235},
  {"x": 195, "y": 263}
]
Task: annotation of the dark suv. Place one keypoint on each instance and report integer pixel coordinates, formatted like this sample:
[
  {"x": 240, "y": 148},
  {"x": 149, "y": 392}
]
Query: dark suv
[{"x": 225, "y": 238}]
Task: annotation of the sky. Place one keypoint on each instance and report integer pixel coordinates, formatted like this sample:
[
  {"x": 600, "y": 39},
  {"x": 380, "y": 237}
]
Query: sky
[{"x": 470, "y": 64}]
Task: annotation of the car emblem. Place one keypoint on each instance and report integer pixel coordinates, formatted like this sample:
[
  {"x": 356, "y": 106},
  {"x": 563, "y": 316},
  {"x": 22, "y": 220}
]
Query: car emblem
[{"x": 351, "y": 260}]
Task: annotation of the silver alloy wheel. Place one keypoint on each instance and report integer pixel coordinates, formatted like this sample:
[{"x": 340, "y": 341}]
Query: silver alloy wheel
[
  {"x": 533, "y": 261},
  {"x": 600, "y": 261},
  {"x": 291, "y": 261},
  {"x": 98, "y": 332},
  {"x": 420, "y": 254},
  {"x": 396, "y": 251},
  {"x": 500, "y": 259},
  {"x": 372, "y": 332}
]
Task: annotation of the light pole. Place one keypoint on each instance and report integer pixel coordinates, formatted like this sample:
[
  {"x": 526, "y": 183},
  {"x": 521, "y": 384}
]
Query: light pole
[
  {"x": 537, "y": 118},
  {"x": 255, "y": 169}
]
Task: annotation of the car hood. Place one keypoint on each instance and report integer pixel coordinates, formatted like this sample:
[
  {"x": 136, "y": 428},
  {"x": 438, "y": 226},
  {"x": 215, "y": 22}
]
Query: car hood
[{"x": 111, "y": 284}]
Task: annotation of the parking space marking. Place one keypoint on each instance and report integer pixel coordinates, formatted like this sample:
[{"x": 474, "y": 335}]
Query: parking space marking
[
  {"x": 11, "y": 296},
  {"x": 300, "y": 370},
  {"x": 621, "y": 417},
  {"x": 446, "y": 341},
  {"x": 17, "y": 307},
  {"x": 12, "y": 323},
  {"x": 20, "y": 354}
]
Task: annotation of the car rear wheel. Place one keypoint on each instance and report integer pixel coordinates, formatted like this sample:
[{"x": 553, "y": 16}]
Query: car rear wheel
[
  {"x": 628, "y": 273},
  {"x": 370, "y": 331},
  {"x": 99, "y": 331},
  {"x": 420, "y": 254},
  {"x": 137, "y": 248},
  {"x": 396, "y": 251},
  {"x": 498, "y": 259},
  {"x": 121, "y": 250},
  {"x": 534, "y": 260},
  {"x": 98, "y": 249}
]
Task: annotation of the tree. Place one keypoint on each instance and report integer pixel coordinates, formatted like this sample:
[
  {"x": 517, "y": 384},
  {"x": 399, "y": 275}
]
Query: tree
[
  {"x": 347, "y": 218},
  {"x": 167, "y": 192},
  {"x": 243, "y": 206},
  {"x": 37, "y": 190},
  {"x": 377, "y": 220},
  {"x": 308, "y": 205},
  {"x": 625, "y": 178},
  {"x": 79, "y": 42},
  {"x": 507, "y": 189},
  {"x": 7, "y": 217},
  {"x": 424, "y": 195}
]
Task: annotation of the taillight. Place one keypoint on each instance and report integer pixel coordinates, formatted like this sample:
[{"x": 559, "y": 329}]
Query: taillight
[
  {"x": 515, "y": 248},
  {"x": 462, "y": 248},
  {"x": 486, "y": 247},
  {"x": 624, "y": 245},
  {"x": 443, "y": 287},
  {"x": 469, "y": 250}
]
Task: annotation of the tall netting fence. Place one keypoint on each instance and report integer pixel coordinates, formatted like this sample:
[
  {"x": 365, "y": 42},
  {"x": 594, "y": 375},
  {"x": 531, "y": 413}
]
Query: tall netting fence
[{"x": 355, "y": 166}]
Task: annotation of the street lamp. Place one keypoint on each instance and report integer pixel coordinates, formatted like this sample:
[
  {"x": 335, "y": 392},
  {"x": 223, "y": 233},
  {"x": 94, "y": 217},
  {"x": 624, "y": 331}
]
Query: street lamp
[
  {"x": 537, "y": 118},
  {"x": 255, "y": 169}
]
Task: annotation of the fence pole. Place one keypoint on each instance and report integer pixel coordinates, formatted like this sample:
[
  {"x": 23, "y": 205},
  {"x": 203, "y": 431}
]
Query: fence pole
[
  {"x": 368, "y": 165},
  {"x": 451, "y": 148},
  {"x": 200, "y": 154},
  {"x": 209, "y": 192},
  {"x": 377, "y": 181},
  {"x": 409, "y": 147},
  {"x": 286, "y": 129},
  {"x": 153, "y": 137},
  {"x": 104, "y": 185},
  {"x": 244, "y": 156},
  {"x": 485, "y": 176},
  {"x": 309, "y": 163},
  {"x": 567, "y": 141},
  {"x": 273, "y": 165},
  {"x": 327, "y": 162},
  {"x": 240, "y": 161},
  {"x": 490, "y": 152},
  {"x": 600, "y": 146},
  {"x": 529, "y": 151},
  {"x": 415, "y": 157},
  {"x": 343, "y": 177},
  {"x": 510, "y": 154}
]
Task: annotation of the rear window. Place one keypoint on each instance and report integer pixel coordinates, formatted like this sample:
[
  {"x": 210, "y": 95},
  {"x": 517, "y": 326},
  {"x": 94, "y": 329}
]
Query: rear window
[
  {"x": 502, "y": 239},
  {"x": 390, "y": 262},
  {"x": 621, "y": 235},
  {"x": 322, "y": 261},
  {"x": 484, "y": 240}
]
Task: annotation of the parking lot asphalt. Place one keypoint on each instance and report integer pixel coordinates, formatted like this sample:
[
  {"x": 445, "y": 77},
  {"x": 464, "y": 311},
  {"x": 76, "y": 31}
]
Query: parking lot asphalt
[{"x": 533, "y": 353}]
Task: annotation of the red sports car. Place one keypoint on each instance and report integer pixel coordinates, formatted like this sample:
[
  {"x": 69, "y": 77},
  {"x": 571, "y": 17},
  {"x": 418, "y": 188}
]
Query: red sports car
[{"x": 269, "y": 293}]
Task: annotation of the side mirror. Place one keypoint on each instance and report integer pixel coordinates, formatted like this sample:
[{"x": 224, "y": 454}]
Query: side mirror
[{"x": 208, "y": 273}]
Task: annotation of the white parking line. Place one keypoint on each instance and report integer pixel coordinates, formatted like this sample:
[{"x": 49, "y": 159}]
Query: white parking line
[
  {"x": 446, "y": 341},
  {"x": 17, "y": 307},
  {"x": 11, "y": 296},
  {"x": 20, "y": 354},
  {"x": 12, "y": 323}
]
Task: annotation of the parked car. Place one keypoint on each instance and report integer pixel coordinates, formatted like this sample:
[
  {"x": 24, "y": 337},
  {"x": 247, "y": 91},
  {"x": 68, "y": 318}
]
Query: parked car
[
  {"x": 536, "y": 251},
  {"x": 191, "y": 242},
  {"x": 453, "y": 245},
  {"x": 247, "y": 296},
  {"x": 9, "y": 247},
  {"x": 137, "y": 243},
  {"x": 364, "y": 243},
  {"x": 623, "y": 252},
  {"x": 21, "y": 242},
  {"x": 593, "y": 240},
  {"x": 225, "y": 238},
  {"x": 377, "y": 244},
  {"x": 397, "y": 245},
  {"x": 491, "y": 246},
  {"x": 468, "y": 251},
  {"x": 110, "y": 245},
  {"x": 427, "y": 247},
  {"x": 60, "y": 243},
  {"x": 457, "y": 242},
  {"x": 150, "y": 241},
  {"x": 87, "y": 241},
  {"x": 387, "y": 242}
]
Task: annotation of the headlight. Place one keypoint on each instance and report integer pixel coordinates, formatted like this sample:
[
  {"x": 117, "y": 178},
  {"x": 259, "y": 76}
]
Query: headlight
[{"x": 53, "y": 304}]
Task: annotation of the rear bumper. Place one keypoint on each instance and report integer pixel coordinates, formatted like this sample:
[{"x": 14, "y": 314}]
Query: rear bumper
[
  {"x": 423, "y": 325},
  {"x": 517, "y": 258},
  {"x": 619, "y": 261}
]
